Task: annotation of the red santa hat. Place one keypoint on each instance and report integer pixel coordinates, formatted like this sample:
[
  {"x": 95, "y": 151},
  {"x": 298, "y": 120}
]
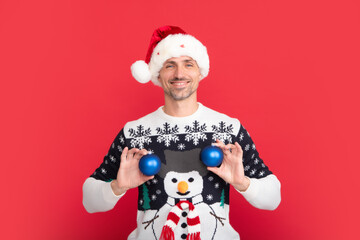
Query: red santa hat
[{"x": 167, "y": 42}]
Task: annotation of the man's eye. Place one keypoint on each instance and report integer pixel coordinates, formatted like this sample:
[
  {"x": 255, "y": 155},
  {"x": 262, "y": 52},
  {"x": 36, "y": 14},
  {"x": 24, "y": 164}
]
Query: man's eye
[
  {"x": 189, "y": 65},
  {"x": 169, "y": 66}
]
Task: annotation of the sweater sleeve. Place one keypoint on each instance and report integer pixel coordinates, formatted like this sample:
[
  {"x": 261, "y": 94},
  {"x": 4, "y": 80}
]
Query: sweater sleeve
[
  {"x": 98, "y": 196},
  {"x": 264, "y": 193},
  {"x": 97, "y": 193},
  {"x": 264, "y": 190}
]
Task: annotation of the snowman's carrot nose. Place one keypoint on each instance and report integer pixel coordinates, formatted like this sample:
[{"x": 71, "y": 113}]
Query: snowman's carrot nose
[{"x": 183, "y": 187}]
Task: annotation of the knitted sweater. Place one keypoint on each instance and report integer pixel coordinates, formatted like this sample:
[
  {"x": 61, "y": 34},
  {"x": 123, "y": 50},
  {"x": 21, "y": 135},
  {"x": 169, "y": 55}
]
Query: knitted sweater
[{"x": 178, "y": 142}]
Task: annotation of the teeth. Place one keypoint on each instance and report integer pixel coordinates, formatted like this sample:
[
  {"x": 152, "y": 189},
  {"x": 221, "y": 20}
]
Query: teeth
[{"x": 178, "y": 84}]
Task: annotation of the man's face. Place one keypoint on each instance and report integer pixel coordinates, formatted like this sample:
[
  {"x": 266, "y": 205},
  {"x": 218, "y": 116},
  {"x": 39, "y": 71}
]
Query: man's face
[{"x": 179, "y": 77}]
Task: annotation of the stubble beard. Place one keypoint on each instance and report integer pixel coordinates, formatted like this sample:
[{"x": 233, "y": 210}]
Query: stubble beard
[{"x": 178, "y": 97}]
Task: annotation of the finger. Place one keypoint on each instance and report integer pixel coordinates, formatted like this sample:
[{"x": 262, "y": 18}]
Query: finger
[
  {"x": 215, "y": 170},
  {"x": 238, "y": 148},
  {"x": 219, "y": 142},
  {"x": 144, "y": 178},
  {"x": 147, "y": 178},
  {"x": 124, "y": 154},
  {"x": 144, "y": 151},
  {"x": 225, "y": 148},
  {"x": 130, "y": 154},
  {"x": 133, "y": 150},
  {"x": 229, "y": 148},
  {"x": 140, "y": 154},
  {"x": 217, "y": 145}
]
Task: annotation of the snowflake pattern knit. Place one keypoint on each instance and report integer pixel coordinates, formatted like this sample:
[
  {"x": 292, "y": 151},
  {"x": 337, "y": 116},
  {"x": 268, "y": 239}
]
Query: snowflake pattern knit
[{"x": 178, "y": 143}]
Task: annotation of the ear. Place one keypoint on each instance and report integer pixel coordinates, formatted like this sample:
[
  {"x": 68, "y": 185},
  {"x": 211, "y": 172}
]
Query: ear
[{"x": 160, "y": 83}]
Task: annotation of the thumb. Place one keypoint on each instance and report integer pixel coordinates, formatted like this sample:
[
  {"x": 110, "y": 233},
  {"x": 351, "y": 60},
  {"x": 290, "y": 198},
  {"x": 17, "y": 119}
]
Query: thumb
[
  {"x": 147, "y": 178},
  {"x": 215, "y": 170}
]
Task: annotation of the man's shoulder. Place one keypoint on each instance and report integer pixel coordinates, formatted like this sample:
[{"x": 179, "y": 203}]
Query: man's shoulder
[
  {"x": 148, "y": 119},
  {"x": 220, "y": 122},
  {"x": 216, "y": 115}
]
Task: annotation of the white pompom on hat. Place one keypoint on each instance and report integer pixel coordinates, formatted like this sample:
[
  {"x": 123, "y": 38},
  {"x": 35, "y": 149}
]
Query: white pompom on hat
[
  {"x": 140, "y": 71},
  {"x": 167, "y": 42}
]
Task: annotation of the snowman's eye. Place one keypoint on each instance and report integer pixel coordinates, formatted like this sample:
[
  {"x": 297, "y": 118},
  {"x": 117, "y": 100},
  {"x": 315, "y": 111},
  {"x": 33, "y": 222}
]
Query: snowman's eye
[
  {"x": 174, "y": 180},
  {"x": 191, "y": 179}
]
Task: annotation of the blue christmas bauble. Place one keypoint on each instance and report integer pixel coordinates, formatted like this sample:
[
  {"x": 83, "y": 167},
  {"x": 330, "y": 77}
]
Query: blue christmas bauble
[
  {"x": 212, "y": 156},
  {"x": 150, "y": 164}
]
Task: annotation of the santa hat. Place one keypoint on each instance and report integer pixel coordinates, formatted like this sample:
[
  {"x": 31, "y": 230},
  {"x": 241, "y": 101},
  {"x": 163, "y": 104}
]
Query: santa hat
[{"x": 167, "y": 42}]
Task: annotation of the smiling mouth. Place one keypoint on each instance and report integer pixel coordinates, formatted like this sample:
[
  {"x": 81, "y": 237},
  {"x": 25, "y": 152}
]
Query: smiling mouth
[
  {"x": 179, "y": 83},
  {"x": 183, "y": 194}
]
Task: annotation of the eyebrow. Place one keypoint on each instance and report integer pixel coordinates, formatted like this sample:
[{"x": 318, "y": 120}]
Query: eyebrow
[{"x": 186, "y": 60}]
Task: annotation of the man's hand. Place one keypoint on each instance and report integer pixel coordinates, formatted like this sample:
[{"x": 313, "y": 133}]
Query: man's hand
[
  {"x": 129, "y": 175},
  {"x": 232, "y": 169}
]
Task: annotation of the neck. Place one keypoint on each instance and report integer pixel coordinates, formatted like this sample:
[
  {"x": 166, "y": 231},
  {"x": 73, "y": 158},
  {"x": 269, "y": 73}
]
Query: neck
[{"x": 181, "y": 108}]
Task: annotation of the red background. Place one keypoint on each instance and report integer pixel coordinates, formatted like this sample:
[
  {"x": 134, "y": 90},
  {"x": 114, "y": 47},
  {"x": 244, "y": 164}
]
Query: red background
[{"x": 287, "y": 69}]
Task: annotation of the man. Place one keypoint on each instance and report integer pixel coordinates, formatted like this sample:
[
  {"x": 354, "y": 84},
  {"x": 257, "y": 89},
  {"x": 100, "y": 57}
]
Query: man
[{"x": 186, "y": 199}]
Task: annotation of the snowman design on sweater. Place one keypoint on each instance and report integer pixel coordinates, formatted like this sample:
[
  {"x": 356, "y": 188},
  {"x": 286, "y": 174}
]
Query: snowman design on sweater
[
  {"x": 183, "y": 177},
  {"x": 183, "y": 180}
]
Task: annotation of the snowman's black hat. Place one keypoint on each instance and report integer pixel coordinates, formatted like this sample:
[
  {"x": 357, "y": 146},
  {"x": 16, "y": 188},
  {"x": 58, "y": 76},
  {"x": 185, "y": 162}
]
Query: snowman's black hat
[{"x": 182, "y": 162}]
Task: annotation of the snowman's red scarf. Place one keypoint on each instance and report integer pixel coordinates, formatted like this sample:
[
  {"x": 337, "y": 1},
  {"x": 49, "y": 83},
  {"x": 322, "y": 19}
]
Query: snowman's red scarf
[{"x": 173, "y": 218}]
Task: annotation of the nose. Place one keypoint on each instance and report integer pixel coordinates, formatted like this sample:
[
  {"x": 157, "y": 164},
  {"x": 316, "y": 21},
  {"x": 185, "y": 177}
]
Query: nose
[
  {"x": 179, "y": 73},
  {"x": 183, "y": 186}
]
